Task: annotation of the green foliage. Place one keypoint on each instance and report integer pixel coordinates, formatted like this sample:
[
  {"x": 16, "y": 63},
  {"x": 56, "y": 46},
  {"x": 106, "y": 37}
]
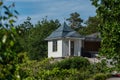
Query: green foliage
[
  {"x": 101, "y": 76},
  {"x": 22, "y": 57},
  {"x": 31, "y": 69},
  {"x": 9, "y": 17},
  {"x": 75, "y": 20},
  {"x": 108, "y": 12},
  {"x": 100, "y": 67},
  {"x": 33, "y": 39},
  {"x": 8, "y": 56},
  {"x": 23, "y": 29},
  {"x": 43, "y": 70},
  {"x": 48, "y": 69},
  {"x": 18, "y": 44},
  {"x": 75, "y": 62},
  {"x": 91, "y": 26},
  {"x": 64, "y": 74}
]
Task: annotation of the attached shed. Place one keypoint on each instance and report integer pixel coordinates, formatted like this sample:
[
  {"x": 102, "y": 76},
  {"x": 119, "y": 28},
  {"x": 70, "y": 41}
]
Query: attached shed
[{"x": 91, "y": 45}]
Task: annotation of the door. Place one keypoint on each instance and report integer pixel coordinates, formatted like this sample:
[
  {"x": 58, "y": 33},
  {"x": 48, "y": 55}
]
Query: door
[{"x": 72, "y": 48}]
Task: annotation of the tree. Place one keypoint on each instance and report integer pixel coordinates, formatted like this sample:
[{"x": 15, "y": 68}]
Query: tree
[
  {"x": 109, "y": 11},
  {"x": 23, "y": 31},
  {"x": 8, "y": 56},
  {"x": 24, "y": 28},
  {"x": 33, "y": 41},
  {"x": 92, "y": 24},
  {"x": 75, "y": 20}
]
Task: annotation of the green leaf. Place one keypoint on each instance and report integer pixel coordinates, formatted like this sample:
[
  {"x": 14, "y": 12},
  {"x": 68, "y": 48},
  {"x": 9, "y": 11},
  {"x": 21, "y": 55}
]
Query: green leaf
[
  {"x": 10, "y": 15},
  {"x": 11, "y": 21},
  {"x": 11, "y": 43},
  {"x": 13, "y": 30}
]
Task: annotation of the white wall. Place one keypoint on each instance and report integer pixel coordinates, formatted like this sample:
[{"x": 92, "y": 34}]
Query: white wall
[
  {"x": 63, "y": 48},
  {"x": 78, "y": 45},
  {"x": 58, "y": 53}
]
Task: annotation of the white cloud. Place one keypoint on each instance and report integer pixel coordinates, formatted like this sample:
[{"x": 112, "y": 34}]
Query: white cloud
[{"x": 54, "y": 9}]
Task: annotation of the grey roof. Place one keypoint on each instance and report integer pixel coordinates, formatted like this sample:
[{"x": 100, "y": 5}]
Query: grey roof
[
  {"x": 63, "y": 31},
  {"x": 93, "y": 37}
]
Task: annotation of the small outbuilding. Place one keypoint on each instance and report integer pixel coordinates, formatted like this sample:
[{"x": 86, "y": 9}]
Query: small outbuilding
[{"x": 64, "y": 42}]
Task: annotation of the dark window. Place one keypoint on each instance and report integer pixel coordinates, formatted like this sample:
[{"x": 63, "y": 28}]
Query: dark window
[
  {"x": 54, "y": 45},
  {"x": 72, "y": 48}
]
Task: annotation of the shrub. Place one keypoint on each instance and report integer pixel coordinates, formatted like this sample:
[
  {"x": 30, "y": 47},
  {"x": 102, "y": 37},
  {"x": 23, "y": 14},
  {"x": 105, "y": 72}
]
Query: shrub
[
  {"x": 74, "y": 62},
  {"x": 99, "y": 68},
  {"x": 63, "y": 74},
  {"x": 31, "y": 68},
  {"x": 100, "y": 76}
]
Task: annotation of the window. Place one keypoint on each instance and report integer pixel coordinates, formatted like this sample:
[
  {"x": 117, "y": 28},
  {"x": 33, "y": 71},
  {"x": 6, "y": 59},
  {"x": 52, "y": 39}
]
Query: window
[{"x": 54, "y": 45}]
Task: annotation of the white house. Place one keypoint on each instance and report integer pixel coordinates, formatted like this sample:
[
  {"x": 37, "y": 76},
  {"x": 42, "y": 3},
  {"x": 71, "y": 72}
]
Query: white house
[{"x": 64, "y": 42}]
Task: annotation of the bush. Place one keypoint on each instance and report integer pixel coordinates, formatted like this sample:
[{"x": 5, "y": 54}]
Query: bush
[
  {"x": 32, "y": 68},
  {"x": 75, "y": 68},
  {"x": 99, "y": 68},
  {"x": 100, "y": 76},
  {"x": 63, "y": 74},
  {"x": 74, "y": 62}
]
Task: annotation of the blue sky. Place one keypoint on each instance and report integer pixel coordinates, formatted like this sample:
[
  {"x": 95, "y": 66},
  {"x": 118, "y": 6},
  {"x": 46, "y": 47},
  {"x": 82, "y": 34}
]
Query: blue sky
[{"x": 53, "y": 9}]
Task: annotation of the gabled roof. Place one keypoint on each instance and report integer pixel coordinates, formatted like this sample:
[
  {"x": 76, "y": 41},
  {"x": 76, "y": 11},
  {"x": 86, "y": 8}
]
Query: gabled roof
[{"x": 63, "y": 31}]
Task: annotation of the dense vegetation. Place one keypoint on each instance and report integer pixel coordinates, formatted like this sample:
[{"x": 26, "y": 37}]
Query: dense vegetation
[
  {"x": 32, "y": 38},
  {"x": 23, "y": 50},
  {"x": 108, "y": 11},
  {"x": 76, "y": 68}
]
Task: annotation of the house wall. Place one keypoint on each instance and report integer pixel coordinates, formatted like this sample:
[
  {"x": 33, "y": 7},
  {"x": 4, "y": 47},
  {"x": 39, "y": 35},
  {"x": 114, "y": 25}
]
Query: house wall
[
  {"x": 77, "y": 47},
  {"x": 65, "y": 48},
  {"x": 57, "y": 53}
]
